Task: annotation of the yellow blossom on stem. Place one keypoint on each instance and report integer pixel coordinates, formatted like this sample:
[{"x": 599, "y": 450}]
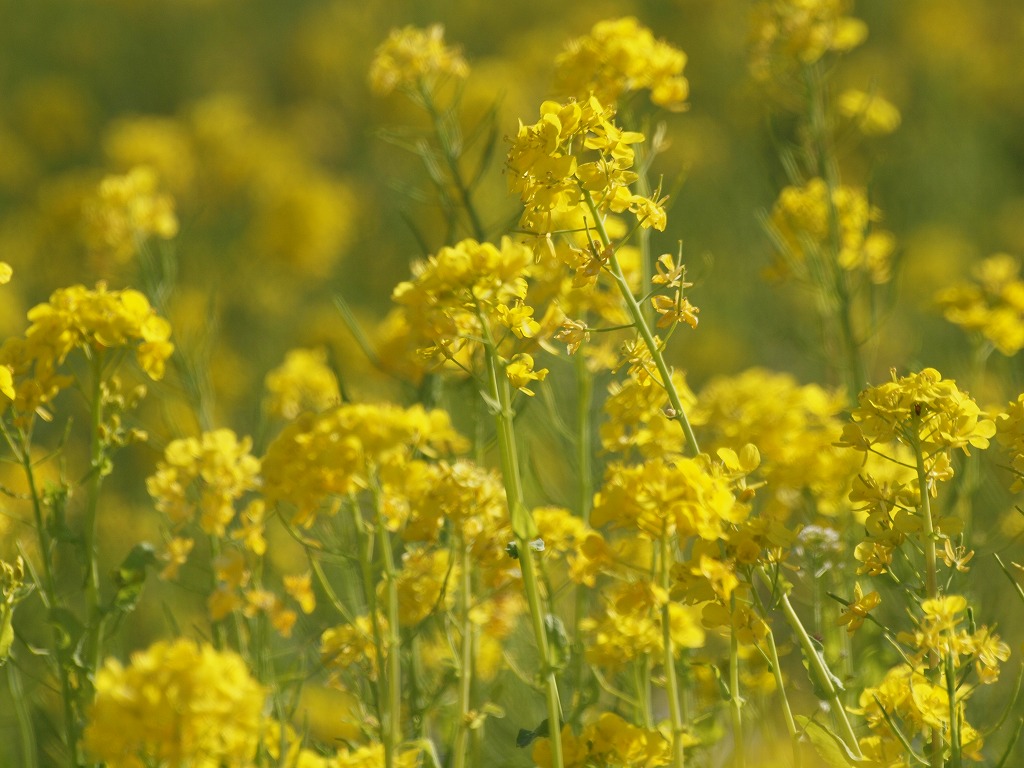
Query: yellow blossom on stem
[
  {"x": 304, "y": 382},
  {"x": 125, "y": 211},
  {"x": 857, "y": 611},
  {"x": 411, "y": 56},
  {"x": 619, "y": 57},
  {"x": 206, "y": 474},
  {"x": 176, "y": 703},
  {"x": 802, "y": 219},
  {"x": 520, "y": 373},
  {"x": 319, "y": 458}
]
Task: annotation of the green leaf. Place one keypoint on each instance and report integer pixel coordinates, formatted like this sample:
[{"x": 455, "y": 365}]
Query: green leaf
[
  {"x": 830, "y": 748},
  {"x": 130, "y": 576}
]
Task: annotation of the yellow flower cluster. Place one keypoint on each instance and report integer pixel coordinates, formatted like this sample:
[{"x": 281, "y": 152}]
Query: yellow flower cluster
[
  {"x": 463, "y": 295},
  {"x": 208, "y": 474},
  {"x": 992, "y": 305},
  {"x": 412, "y": 57},
  {"x": 789, "y": 34},
  {"x": 1010, "y": 425},
  {"x": 320, "y": 457},
  {"x": 609, "y": 741},
  {"x": 683, "y": 497},
  {"x": 177, "y": 703},
  {"x": 422, "y": 583},
  {"x": 125, "y": 211},
  {"x": 352, "y": 645},
  {"x": 794, "y": 428},
  {"x": 908, "y": 693},
  {"x": 919, "y": 410},
  {"x": 81, "y": 318},
  {"x": 804, "y": 217},
  {"x": 873, "y": 115},
  {"x": 619, "y": 57},
  {"x": 304, "y": 382},
  {"x": 630, "y": 625},
  {"x": 637, "y": 419},
  {"x": 573, "y": 154}
]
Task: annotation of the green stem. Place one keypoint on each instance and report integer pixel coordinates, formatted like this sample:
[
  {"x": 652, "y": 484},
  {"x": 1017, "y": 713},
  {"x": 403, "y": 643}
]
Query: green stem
[
  {"x": 525, "y": 530},
  {"x": 365, "y": 548},
  {"x": 585, "y": 491},
  {"x": 817, "y": 667},
  {"x": 828, "y": 170},
  {"x": 954, "y": 713},
  {"x": 637, "y": 316},
  {"x": 787, "y": 712},
  {"x": 50, "y": 598},
  {"x": 461, "y": 747},
  {"x": 451, "y": 158},
  {"x": 29, "y": 750},
  {"x": 735, "y": 700},
  {"x": 930, "y": 572},
  {"x": 669, "y": 660},
  {"x": 97, "y": 459},
  {"x": 391, "y": 726}
]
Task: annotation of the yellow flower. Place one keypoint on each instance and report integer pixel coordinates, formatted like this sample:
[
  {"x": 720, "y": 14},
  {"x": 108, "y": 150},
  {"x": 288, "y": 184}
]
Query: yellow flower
[
  {"x": 177, "y": 703},
  {"x": 304, "y": 382},
  {"x": 520, "y": 373},
  {"x": 320, "y": 457},
  {"x": 803, "y": 221},
  {"x": 788, "y": 34},
  {"x": 858, "y": 610},
  {"x": 209, "y": 473},
  {"x": 125, "y": 211},
  {"x": 619, "y": 57},
  {"x": 411, "y": 57},
  {"x": 5, "y": 273},
  {"x": 873, "y": 115}
]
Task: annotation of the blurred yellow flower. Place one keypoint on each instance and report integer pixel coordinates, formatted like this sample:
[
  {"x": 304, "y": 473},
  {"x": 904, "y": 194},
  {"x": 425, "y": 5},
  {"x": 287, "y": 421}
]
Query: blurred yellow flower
[
  {"x": 413, "y": 57},
  {"x": 125, "y": 211},
  {"x": 176, "y": 703},
  {"x": 619, "y": 57}
]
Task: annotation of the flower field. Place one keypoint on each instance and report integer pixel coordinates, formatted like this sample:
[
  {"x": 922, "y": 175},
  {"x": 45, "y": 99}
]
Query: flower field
[{"x": 618, "y": 385}]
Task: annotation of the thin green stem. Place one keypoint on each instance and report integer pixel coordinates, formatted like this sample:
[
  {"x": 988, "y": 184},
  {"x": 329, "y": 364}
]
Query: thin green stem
[
  {"x": 461, "y": 747},
  {"x": 669, "y": 659},
  {"x": 391, "y": 727},
  {"x": 935, "y": 749},
  {"x": 451, "y": 158},
  {"x": 955, "y": 747},
  {"x": 637, "y": 316},
  {"x": 22, "y": 448},
  {"x": 817, "y": 667},
  {"x": 29, "y": 750},
  {"x": 735, "y": 699},
  {"x": 787, "y": 712},
  {"x": 585, "y": 494},
  {"x": 97, "y": 470},
  {"x": 525, "y": 530}
]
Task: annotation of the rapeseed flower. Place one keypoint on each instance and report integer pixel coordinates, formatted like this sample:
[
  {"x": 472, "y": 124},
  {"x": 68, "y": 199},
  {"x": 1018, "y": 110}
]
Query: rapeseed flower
[
  {"x": 207, "y": 474},
  {"x": 320, "y": 458},
  {"x": 177, "y": 703},
  {"x": 789, "y": 34},
  {"x": 619, "y": 57},
  {"x": 92, "y": 320},
  {"x": 991, "y": 306},
  {"x": 126, "y": 211},
  {"x": 803, "y": 219},
  {"x": 575, "y": 152},
  {"x": 304, "y": 382},
  {"x": 412, "y": 57}
]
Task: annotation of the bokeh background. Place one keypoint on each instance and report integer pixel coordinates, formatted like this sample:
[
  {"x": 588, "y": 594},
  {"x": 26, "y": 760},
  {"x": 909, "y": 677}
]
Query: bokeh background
[{"x": 259, "y": 120}]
